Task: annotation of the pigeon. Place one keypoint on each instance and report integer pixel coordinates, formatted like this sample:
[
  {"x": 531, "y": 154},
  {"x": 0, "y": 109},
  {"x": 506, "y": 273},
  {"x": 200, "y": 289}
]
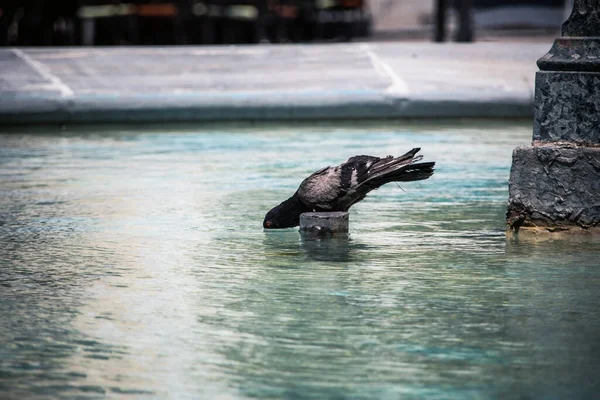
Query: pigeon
[{"x": 338, "y": 188}]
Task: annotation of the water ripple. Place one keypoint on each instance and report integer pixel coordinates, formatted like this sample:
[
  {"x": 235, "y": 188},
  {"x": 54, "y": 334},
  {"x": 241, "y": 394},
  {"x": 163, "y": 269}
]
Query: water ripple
[{"x": 133, "y": 264}]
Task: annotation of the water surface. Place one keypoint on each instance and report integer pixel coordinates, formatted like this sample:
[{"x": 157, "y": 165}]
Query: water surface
[{"x": 133, "y": 265}]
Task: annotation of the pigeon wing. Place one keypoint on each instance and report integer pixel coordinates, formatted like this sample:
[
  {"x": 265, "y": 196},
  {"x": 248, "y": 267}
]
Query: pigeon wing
[
  {"x": 322, "y": 189},
  {"x": 356, "y": 170}
]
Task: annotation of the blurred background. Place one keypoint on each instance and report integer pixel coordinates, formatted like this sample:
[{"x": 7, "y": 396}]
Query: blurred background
[{"x": 182, "y": 22}]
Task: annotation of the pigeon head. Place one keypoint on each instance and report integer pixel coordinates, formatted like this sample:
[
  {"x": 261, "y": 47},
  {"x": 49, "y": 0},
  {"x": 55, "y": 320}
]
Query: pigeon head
[{"x": 285, "y": 215}]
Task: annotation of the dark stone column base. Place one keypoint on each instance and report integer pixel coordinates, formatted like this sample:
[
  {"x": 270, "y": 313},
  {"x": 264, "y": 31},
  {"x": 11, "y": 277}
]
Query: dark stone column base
[
  {"x": 567, "y": 107},
  {"x": 554, "y": 188},
  {"x": 574, "y": 54},
  {"x": 555, "y": 185}
]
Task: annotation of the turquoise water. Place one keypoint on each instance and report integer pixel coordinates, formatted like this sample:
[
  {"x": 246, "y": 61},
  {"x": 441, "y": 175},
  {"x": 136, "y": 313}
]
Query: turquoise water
[{"x": 133, "y": 264}]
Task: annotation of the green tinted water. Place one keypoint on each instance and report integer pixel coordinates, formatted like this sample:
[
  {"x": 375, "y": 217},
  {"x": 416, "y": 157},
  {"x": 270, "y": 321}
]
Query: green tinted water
[{"x": 133, "y": 264}]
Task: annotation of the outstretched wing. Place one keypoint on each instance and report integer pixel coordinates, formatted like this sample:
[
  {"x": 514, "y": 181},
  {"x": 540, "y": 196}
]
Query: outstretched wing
[
  {"x": 321, "y": 189},
  {"x": 356, "y": 170},
  {"x": 338, "y": 188},
  {"x": 362, "y": 174}
]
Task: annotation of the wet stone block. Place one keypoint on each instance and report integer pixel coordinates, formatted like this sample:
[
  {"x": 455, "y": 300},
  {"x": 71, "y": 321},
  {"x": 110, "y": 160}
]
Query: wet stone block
[
  {"x": 323, "y": 224},
  {"x": 554, "y": 188},
  {"x": 567, "y": 107}
]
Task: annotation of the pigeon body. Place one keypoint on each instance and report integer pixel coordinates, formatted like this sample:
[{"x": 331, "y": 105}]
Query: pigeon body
[{"x": 338, "y": 188}]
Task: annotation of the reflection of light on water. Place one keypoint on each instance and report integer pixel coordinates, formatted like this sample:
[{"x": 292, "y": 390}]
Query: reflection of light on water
[{"x": 135, "y": 262}]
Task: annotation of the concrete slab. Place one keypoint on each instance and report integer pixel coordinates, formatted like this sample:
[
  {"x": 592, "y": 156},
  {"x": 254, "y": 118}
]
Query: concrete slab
[{"x": 273, "y": 82}]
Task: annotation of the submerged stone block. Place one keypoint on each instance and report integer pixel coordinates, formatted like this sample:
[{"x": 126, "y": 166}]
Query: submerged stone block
[
  {"x": 554, "y": 188},
  {"x": 324, "y": 224},
  {"x": 567, "y": 107}
]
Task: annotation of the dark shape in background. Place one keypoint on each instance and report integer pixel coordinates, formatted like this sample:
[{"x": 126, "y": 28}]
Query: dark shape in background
[
  {"x": 181, "y": 22},
  {"x": 151, "y": 22}
]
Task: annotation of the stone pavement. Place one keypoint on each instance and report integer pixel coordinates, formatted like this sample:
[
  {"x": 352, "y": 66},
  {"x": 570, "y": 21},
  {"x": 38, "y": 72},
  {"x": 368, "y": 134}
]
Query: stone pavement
[{"x": 278, "y": 82}]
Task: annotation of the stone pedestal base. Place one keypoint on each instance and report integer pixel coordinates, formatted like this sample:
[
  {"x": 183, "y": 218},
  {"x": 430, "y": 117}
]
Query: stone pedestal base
[
  {"x": 555, "y": 185},
  {"x": 323, "y": 224},
  {"x": 554, "y": 188},
  {"x": 567, "y": 107}
]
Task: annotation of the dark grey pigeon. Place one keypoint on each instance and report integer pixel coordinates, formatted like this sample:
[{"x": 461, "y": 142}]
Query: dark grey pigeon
[{"x": 338, "y": 188}]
